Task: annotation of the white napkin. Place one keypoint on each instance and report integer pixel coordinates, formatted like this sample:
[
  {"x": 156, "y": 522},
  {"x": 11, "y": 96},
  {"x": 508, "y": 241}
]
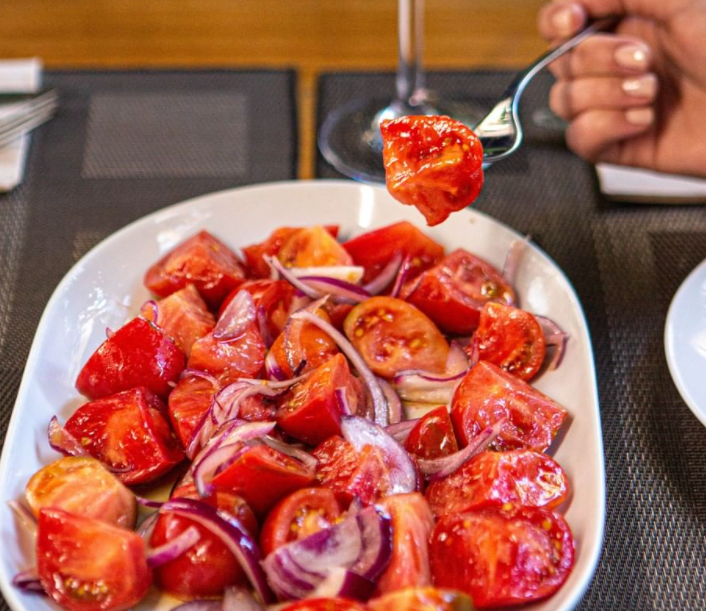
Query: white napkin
[
  {"x": 16, "y": 76},
  {"x": 645, "y": 186}
]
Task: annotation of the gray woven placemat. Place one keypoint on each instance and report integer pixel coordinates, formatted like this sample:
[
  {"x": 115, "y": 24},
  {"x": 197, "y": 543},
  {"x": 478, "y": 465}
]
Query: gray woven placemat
[
  {"x": 626, "y": 262},
  {"x": 125, "y": 144}
]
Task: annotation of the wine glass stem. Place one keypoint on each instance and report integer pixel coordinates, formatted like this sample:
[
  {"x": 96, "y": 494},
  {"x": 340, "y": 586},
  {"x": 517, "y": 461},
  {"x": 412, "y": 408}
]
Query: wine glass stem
[{"x": 410, "y": 73}]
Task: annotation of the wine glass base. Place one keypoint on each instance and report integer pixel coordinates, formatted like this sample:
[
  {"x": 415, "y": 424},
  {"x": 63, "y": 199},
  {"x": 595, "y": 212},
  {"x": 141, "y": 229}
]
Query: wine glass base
[{"x": 350, "y": 136}]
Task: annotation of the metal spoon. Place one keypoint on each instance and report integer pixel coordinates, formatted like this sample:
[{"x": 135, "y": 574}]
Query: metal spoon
[{"x": 500, "y": 131}]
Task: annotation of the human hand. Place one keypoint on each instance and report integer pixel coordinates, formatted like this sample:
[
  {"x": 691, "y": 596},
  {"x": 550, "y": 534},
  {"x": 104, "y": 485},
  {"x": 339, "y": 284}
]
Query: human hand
[{"x": 636, "y": 97}]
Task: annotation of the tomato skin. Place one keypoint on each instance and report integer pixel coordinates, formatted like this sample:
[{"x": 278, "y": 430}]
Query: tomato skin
[
  {"x": 325, "y": 604},
  {"x": 263, "y": 476},
  {"x": 138, "y": 354},
  {"x": 310, "y": 411},
  {"x": 375, "y": 249},
  {"x": 510, "y": 338},
  {"x": 202, "y": 260},
  {"x": 433, "y": 163},
  {"x": 86, "y": 564},
  {"x": 422, "y": 599},
  {"x": 454, "y": 292},
  {"x": 502, "y": 558},
  {"x": 184, "y": 317},
  {"x": 82, "y": 486},
  {"x": 412, "y": 523},
  {"x": 297, "y": 516},
  {"x": 520, "y": 477},
  {"x": 188, "y": 402},
  {"x": 206, "y": 569},
  {"x": 312, "y": 247},
  {"x": 128, "y": 430},
  {"x": 433, "y": 436},
  {"x": 487, "y": 394},
  {"x": 392, "y": 335}
]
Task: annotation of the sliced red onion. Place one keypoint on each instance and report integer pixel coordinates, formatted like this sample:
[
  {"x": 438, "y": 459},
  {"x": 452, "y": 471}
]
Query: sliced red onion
[
  {"x": 147, "y": 526},
  {"x": 554, "y": 337},
  {"x": 347, "y": 273},
  {"x": 239, "y": 314},
  {"x": 204, "y": 375},
  {"x": 457, "y": 360},
  {"x": 239, "y": 599},
  {"x": 339, "y": 290},
  {"x": 343, "y": 404},
  {"x": 361, "y": 432},
  {"x": 376, "y": 393},
  {"x": 474, "y": 357},
  {"x": 109, "y": 332},
  {"x": 150, "y": 311},
  {"x": 264, "y": 327},
  {"x": 401, "y": 277},
  {"x": 279, "y": 385},
  {"x": 232, "y": 533},
  {"x": 292, "y": 336},
  {"x": 276, "y": 265},
  {"x": 376, "y": 534},
  {"x": 25, "y": 515},
  {"x": 394, "y": 405},
  {"x": 309, "y": 461},
  {"x": 272, "y": 368},
  {"x": 401, "y": 430},
  {"x": 426, "y": 387},
  {"x": 299, "y": 302},
  {"x": 385, "y": 277},
  {"x": 148, "y": 502},
  {"x": 28, "y": 581},
  {"x": 513, "y": 258},
  {"x": 63, "y": 441},
  {"x": 174, "y": 548},
  {"x": 342, "y": 583},
  {"x": 200, "y": 605},
  {"x": 438, "y": 468}
]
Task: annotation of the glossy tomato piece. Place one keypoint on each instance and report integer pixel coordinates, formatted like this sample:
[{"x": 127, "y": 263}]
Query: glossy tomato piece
[
  {"x": 520, "y": 477},
  {"x": 137, "y": 354},
  {"x": 299, "y": 515},
  {"x": 454, "y": 292},
  {"x": 129, "y": 432},
  {"x": 263, "y": 476},
  {"x": 502, "y": 557},
  {"x": 202, "y": 260},
  {"x": 207, "y": 568},
  {"x": 86, "y": 564},
  {"x": 392, "y": 335},
  {"x": 375, "y": 249},
  {"x": 422, "y": 599},
  {"x": 311, "y": 411},
  {"x": 433, "y": 163},
  {"x": 487, "y": 394},
  {"x": 84, "y": 487},
  {"x": 188, "y": 402},
  {"x": 433, "y": 436},
  {"x": 510, "y": 338},
  {"x": 325, "y": 604},
  {"x": 183, "y": 316},
  {"x": 313, "y": 247},
  {"x": 412, "y": 523}
]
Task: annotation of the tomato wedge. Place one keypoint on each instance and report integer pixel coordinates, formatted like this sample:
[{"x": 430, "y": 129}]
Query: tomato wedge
[
  {"x": 86, "y": 564},
  {"x": 433, "y": 163},
  {"x": 488, "y": 394},
  {"x": 325, "y": 604},
  {"x": 188, "y": 402},
  {"x": 502, "y": 557},
  {"x": 391, "y": 336},
  {"x": 520, "y": 477},
  {"x": 422, "y": 599},
  {"x": 454, "y": 292},
  {"x": 313, "y": 247},
  {"x": 510, "y": 338},
  {"x": 433, "y": 436},
  {"x": 299, "y": 515}
]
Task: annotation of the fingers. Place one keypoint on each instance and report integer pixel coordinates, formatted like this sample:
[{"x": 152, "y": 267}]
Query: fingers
[
  {"x": 569, "y": 99},
  {"x": 604, "y": 55},
  {"x": 560, "y": 20}
]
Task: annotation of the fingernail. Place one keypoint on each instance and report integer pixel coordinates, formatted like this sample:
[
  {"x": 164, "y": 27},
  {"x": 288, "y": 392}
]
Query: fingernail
[
  {"x": 642, "y": 87},
  {"x": 632, "y": 57},
  {"x": 563, "y": 21},
  {"x": 640, "y": 116}
]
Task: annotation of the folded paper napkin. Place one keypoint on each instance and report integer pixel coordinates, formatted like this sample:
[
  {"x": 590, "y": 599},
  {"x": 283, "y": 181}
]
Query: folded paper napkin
[
  {"x": 644, "y": 186},
  {"x": 16, "y": 76}
]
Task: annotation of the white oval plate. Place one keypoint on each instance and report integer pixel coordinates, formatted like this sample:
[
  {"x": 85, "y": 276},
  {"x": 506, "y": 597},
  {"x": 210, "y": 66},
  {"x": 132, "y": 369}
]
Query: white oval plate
[
  {"x": 104, "y": 289},
  {"x": 685, "y": 340}
]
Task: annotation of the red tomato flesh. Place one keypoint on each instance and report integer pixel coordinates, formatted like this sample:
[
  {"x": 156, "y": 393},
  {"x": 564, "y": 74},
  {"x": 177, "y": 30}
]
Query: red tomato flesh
[
  {"x": 422, "y": 599},
  {"x": 313, "y": 247},
  {"x": 433, "y": 436},
  {"x": 325, "y": 604},
  {"x": 188, "y": 402}
]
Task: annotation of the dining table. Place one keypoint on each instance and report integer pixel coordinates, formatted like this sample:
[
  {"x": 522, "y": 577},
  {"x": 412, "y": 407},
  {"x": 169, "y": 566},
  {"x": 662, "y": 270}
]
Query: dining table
[{"x": 127, "y": 143}]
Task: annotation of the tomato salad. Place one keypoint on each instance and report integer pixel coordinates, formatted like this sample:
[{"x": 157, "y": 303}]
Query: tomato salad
[{"x": 271, "y": 388}]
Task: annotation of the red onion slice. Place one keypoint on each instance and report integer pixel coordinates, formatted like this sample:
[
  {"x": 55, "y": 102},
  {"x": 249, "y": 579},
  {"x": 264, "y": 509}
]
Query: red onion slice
[
  {"x": 263, "y": 327},
  {"x": 204, "y": 375},
  {"x": 348, "y": 273},
  {"x": 378, "y": 397},
  {"x": 174, "y": 548},
  {"x": 513, "y": 258},
  {"x": 63, "y": 441},
  {"x": 109, "y": 333},
  {"x": 239, "y": 314},
  {"x": 401, "y": 430},
  {"x": 272, "y": 368},
  {"x": 385, "y": 277},
  {"x": 200, "y": 605},
  {"x": 145, "y": 529},
  {"x": 148, "y": 502},
  {"x": 342, "y": 583},
  {"x": 150, "y": 311},
  {"x": 376, "y": 534},
  {"x": 239, "y": 599},
  {"x": 394, "y": 405},
  {"x": 361, "y": 432},
  {"x": 402, "y": 275},
  {"x": 293, "y": 349},
  {"x": 339, "y": 290},
  {"x": 28, "y": 581},
  {"x": 554, "y": 337},
  {"x": 25, "y": 515},
  {"x": 425, "y": 387},
  {"x": 232, "y": 533},
  {"x": 276, "y": 265},
  {"x": 343, "y": 404},
  {"x": 309, "y": 461}
]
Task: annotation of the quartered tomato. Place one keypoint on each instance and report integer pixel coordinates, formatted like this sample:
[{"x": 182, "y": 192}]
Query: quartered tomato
[
  {"x": 422, "y": 599},
  {"x": 510, "y": 338},
  {"x": 263, "y": 476},
  {"x": 454, "y": 292},
  {"x": 487, "y": 394},
  {"x": 202, "y": 260},
  {"x": 183, "y": 316},
  {"x": 433, "y": 163},
  {"x": 313, "y": 247},
  {"x": 521, "y": 477},
  {"x": 325, "y": 604},
  {"x": 412, "y": 523},
  {"x": 188, "y": 402},
  {"x": 311, "y": 411},
  {"x": 129, "y": 432},
  {"x": 433, "y": 436},
  {"x": 137, "y": 354},
  {"x": 299, "y": 515},
  {"x": 392, "y": 336},
  {"x": 207, "y": 568},
  {"x": 502, "y": 557},
  {"x": 86, "y": 564},
  {"x": 84, "y": 487},
  {"x": 375, "y": 249}
]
